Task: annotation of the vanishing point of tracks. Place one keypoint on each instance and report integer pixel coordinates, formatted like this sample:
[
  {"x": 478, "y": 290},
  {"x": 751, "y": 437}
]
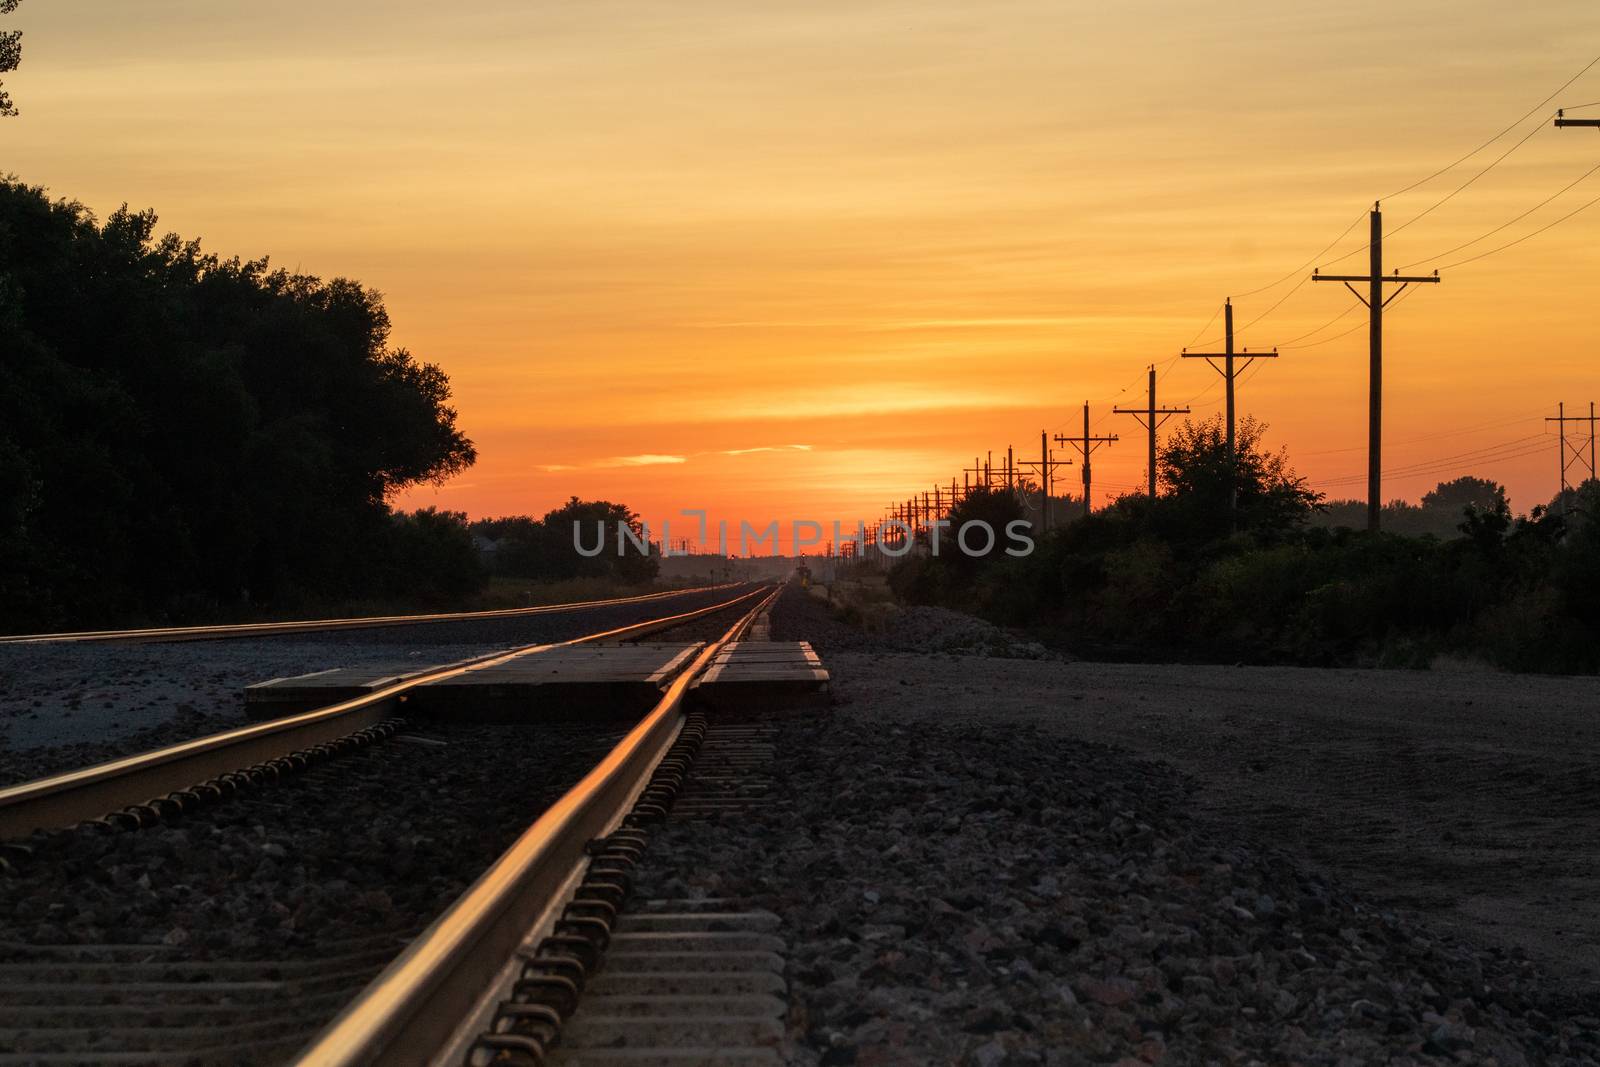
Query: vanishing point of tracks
[{"x": 221, "y": 899}]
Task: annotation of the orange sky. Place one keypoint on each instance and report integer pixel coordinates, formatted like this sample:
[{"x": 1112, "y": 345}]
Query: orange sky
[{"x": 658, "y": 248}]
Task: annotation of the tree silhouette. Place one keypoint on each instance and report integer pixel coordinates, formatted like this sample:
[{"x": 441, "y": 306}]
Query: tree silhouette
[
  {"x": 10, "y": 55},
  {"x": 181, "y": 432},
  {"x": 1458, "y": 494},
  {"x": 1195, "y": 471}
]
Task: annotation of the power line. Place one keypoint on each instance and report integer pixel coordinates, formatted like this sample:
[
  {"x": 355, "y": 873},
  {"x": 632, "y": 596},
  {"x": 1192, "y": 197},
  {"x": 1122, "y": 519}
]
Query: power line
[
  {"x": 1434, "y": 436},
  {"x": 1524, "y": 237},
  {"x": 1463, "y": 186},
  {"x": 1512, "y": 449},
  {"x": 1201, "y": 331},
  {"x": 1342, "y": 315},
  {"x": 1529, "y": 114},
  {"x": 1303, "y": 266},
  {"x": 1543, "y": 103},
  {"x": 1511, "y": 222},
  {"x": 1402, "y": 298},
  {"x": 1276, "y": 306},
  {"x": 1443, "y": 200}
]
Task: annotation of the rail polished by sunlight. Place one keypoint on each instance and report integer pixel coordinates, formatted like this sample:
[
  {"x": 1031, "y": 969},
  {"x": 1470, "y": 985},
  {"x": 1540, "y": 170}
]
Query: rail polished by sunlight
[
  {"x": 433, "y": 997},
  {"x": 91, "y": 792},
  {"x": 296, "y": 626}
]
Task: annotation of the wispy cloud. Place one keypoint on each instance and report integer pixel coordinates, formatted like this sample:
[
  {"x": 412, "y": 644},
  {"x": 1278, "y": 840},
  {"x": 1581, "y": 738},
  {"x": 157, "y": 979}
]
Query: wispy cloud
[
  {"x": 646, "y": 459},
  {"x": 551, "y": 468},
  {"x": 763, "y": 448}
]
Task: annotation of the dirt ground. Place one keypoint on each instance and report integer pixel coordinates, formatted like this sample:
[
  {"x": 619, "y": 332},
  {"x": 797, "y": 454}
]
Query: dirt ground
[{"x": 1470, "y": 801}]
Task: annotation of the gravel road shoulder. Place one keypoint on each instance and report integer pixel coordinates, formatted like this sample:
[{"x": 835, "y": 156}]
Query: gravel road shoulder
[{"x": 996, "y": 861}]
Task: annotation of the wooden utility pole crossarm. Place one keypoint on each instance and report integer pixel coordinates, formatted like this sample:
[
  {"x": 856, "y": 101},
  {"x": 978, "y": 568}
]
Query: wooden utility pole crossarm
[
  {"x": 1085, "y": 446},
  {"x": 1230, "y": 371},
  {"x": 1562, "y": 120},
  {"x": 1151, "y": 417},
  {"x": 1375, "y": 280},
  {"x": 1046, "y": 466}
]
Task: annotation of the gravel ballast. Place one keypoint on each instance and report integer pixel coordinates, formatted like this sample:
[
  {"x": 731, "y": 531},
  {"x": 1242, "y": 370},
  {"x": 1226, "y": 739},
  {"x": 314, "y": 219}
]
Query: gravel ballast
[
  {"x": 980, "y": 860},
  {"x": 953, "y": 894},
  {"x": 374, "y": 842},
  {"x": 804, "y": 616}
]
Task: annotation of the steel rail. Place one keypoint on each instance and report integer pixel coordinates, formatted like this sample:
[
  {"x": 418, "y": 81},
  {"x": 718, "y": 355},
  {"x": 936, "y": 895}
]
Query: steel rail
[
  {"x": 415, "y": 1009},
  {"x": 90, "y": 792},
  {"x": 295, "y": 626}
]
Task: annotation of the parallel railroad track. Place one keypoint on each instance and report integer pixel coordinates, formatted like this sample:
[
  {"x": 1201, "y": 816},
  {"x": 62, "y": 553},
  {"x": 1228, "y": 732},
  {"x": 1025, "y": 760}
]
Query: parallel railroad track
[
  {"x": 168, "y": 776},
  {"x": 494, "y": 978},
  {"x": 109, "y": 1002},
  {"x": 307, "y": 626}
]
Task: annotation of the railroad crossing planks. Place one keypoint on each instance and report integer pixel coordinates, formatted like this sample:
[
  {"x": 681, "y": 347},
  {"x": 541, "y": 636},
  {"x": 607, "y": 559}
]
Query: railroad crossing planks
[
  {"x": 763, "y": 675},
  {"x": 559, "y": 682},
  {"x": 625, "y": 679},
  {"x": 277, "y": 697},
  {"x": 567, "y": 682}
]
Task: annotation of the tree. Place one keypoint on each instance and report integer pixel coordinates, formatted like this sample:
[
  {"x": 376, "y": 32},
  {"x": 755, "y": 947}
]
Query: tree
[
  {"x": 10, "y": 56},
  {"x": 181, "y": 429},
  {"x": 618, "y": 557},
  {"x": 1464, "y": 492},
  {"x": 997, "y": 508},
  {"x": 1194, "y": 472},
  {"x": 544, "y": 549}
]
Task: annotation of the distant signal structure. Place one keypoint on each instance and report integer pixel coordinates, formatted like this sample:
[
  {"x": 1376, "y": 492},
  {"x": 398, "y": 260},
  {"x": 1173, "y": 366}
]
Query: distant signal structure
[
  {"x": 1152, "y": 417},
  {"x": 1571, "y": 453},
  {"x": 1375, "y": 279}
]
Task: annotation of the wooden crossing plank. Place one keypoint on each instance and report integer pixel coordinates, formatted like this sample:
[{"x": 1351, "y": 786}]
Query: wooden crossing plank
[
  {"x": 583, "y": 680},
  {"x": 552, "y": 683},
  {"x": 764, "y": 675},
  {"x": 276, "y": 697}
]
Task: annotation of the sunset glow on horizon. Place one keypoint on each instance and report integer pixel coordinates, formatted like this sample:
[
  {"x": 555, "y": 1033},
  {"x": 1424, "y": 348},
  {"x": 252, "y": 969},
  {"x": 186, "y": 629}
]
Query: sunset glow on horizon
[{"x": 798, "y": 261}]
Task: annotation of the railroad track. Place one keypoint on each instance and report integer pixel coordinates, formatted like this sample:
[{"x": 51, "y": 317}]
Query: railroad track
[
  {"x": 447, "y": 994},
  {"x": 307, "y": 626},
  {"x": 163, "y": 777}
]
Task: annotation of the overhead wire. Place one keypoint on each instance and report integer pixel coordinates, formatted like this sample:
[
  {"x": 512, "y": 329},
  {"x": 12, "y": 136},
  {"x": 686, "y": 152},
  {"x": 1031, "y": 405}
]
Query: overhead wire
[
  {"x": 1421, "y": 215},
  {"x": 1496, "y": 424},
  {"x": 1494, "y": 163},
  {"x": 1541, "y": 104},
  {"x": 1290, "y": 343},
  {"x": 1520, "y": 449},
  {"x": 1517, "y": 448},
  {"x": 1294, "y": 343},
  {"x": 1512, "y": 244},
  {"x": 1300, "y": 269},
  {"x": 1503, "y": 225}
]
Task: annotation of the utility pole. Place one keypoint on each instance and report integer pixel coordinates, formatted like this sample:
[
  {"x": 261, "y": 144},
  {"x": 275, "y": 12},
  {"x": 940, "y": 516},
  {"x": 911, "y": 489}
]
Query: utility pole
[
  {"x": 1230, "y": 372},
  {"x": 1571, "y": 455},
  {"x": 1047, "y": 465},
  {"x": 1152, "y": 417},
  {"x": 1044, "y": 480},
  {"x": 1085, "y": 446},
  {"x": 1375, "y": 302}
]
